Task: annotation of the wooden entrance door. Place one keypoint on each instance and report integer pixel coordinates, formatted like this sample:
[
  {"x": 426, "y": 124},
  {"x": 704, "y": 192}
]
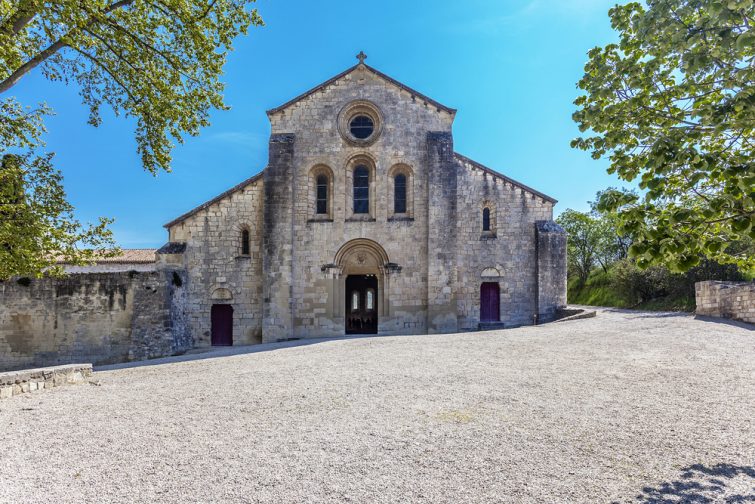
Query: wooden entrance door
[
  {"x": 490, "y": 302},
  {"x": 361, "y": 304},
  {"x": 221, "y": 322}
]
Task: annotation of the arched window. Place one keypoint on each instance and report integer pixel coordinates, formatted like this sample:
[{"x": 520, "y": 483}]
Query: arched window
[
  {"x": 245, "y": 242},
  {"x": 361, "y": 190},
  {"x": 370, "y": 301},
  {"x": 399, "y": 194},
  {"x": 355, "y": 301},
  {"x": 322, "y": 194},
  {"x": 486, "y": 219}
]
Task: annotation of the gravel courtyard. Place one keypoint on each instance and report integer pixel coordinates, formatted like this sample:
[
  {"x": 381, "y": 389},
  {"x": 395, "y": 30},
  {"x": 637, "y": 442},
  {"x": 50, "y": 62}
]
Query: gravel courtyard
[{"x": 624, "y": 407}]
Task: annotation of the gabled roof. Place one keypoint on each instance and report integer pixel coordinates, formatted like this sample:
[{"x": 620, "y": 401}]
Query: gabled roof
[
  {"x": 214, "y": 200},
  {"x": 503, "y": 177},
  {"x": 380, "y": 74}
]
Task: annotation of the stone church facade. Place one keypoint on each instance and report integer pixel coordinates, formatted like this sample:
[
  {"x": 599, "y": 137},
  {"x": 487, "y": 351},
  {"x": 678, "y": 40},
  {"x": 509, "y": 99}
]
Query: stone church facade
[{"x": 365, "y": 220}]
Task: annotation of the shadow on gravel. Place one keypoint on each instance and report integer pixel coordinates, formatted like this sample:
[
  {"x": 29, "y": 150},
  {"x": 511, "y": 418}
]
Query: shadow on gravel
[
  {"x": 699, "y": 484},
  {"x": 729, "y": 322}
]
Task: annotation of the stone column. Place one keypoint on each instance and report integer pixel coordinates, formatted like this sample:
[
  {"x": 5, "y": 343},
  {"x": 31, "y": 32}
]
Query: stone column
[
  {"x": 277, "y": 248},
  {"x": 551, "y": 269},
  {"x": 441, "y": 236}
]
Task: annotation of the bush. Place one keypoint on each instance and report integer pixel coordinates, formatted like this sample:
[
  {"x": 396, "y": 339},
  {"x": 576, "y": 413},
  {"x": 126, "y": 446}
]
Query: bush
[{"x": 636, "y": 285}]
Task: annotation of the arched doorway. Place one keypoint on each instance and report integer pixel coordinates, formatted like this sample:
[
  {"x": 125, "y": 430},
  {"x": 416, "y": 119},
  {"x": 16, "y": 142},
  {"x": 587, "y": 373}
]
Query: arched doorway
[
  {"x": 362, "y": 285},
  {"x": 361, "y": 304}
]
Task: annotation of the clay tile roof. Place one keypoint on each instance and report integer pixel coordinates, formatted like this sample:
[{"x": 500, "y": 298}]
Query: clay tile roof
[
  {"x": 214, "y": 200},
  {"x": 380, "y": 74},
  {"x": 127, "y": 256},
  {"x": 465, "y": 159}
]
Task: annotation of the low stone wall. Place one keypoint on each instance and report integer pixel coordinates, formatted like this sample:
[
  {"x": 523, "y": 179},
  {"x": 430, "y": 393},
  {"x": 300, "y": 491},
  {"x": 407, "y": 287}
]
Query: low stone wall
[
  {"x": 33, "y": 380},
  {"x": 101, "y": 318},
  {"x": 732, "y": 300}
]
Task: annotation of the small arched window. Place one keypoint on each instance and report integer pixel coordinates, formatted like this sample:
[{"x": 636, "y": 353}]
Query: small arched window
[
  {"x": 355, "y": 301},
  {"x": 486, "y": 219},
  {"x": 322, "y": 194},
  {"x": 399, "y": 194},
  {"x": 245, "y": 242},
  {"x": 361, "y": 190}
]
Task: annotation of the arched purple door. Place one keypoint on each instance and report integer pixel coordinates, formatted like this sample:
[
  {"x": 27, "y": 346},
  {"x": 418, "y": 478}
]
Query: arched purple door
[
  {"x": 221, "y": 321},
  {"x": 490, "y": 302}
]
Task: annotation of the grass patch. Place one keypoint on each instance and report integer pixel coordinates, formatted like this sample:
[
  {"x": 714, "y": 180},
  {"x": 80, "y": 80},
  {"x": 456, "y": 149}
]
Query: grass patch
[{"x": 600, "y": 291}]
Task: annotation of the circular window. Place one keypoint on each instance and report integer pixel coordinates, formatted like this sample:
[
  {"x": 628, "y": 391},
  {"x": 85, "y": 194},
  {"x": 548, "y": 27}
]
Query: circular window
[
  {"x": 360, "y": 123},
  {"x": 361, "y": 127}
]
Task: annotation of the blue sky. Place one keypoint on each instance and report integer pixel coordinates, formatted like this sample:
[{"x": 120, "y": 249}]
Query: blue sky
[{"x": 509, "y": 67}]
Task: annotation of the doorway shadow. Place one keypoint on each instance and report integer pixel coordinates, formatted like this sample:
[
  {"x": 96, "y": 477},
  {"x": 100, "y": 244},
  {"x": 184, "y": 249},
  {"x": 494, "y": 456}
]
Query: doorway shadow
[{"x": 700, "y": 484}]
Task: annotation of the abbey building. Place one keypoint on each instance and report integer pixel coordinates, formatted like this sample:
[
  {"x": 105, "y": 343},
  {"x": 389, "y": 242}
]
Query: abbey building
[{"x": 366, "y": 221}]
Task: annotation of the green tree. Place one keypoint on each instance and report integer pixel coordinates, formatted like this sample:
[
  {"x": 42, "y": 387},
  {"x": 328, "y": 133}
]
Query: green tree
[
  {"x": 672, "y": 105},
  {"x": 585, "y": 237},
  {"x": 616, "y": 246},
  {"x": 157, "y": 61},
  {"x": 37, "y": 227}
]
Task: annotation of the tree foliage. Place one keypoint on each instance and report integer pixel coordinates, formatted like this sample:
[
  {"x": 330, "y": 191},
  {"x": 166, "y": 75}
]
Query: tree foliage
[
  {"x": 159, "y": 61},
  {"x": 672, "y": 105},
  {"x": 37, "y": 227},
  {"x": 587, "y": 239}
]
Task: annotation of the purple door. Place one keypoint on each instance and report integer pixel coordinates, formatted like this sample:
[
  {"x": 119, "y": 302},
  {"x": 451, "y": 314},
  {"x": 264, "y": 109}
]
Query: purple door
[
  {"x": 489, "y": 302},
  {"x": 221, "y": 320}
]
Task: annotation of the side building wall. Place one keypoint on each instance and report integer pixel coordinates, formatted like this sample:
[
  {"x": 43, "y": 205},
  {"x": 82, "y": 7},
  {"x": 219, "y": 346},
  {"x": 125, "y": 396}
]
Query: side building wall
[
  {"x": 506, "y": 254},
  {"x": 98, "y": 318},
  {"x": 217, "y": 270}
]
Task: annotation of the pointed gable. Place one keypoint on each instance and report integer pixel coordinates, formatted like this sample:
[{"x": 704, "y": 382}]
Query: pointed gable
[{"x": 415, "y": 94}]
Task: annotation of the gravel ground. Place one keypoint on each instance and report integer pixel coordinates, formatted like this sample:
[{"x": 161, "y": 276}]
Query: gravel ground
[{"x": 624, "y": 407}]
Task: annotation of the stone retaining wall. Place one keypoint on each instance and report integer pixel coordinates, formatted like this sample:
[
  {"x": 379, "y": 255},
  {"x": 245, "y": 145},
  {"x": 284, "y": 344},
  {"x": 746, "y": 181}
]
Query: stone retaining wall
[
  {"x": 732, "y": 300},
  {"x": 33, "y": 380},
  {"x": 100, "y": 318}
]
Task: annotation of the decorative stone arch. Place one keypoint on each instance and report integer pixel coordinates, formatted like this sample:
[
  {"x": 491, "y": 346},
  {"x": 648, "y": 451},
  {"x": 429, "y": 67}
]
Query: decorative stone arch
[
  {"x": 361, "y": 256},
  {"x": 492, "y": 274},
  {"x": 221, "y": 294},
  {"x": 490, "y": 206},
  {"x": 405, "y": 170},
  {"x": 367, "y": 160},
  {"x": 320, "y": 170}
]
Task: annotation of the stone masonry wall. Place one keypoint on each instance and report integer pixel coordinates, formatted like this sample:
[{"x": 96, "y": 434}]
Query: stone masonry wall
[
  {"x": 98, "y": 318},
  {"x": 732, "y": 300},
  {"x": 551, "y": 269},
  {"x": 403, "y": 142},
  {"x": 217, "y": 271},
  {"x": 507, "y": 254}
]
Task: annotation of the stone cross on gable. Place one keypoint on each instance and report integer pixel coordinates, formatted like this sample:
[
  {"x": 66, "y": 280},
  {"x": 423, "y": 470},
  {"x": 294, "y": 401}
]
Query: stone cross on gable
[{"x": 361, "y": 56}]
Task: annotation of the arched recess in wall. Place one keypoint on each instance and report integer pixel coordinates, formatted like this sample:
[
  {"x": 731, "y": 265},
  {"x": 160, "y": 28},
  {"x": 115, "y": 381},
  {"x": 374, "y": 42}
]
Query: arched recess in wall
[
  {"x": 488, "y": 218},
  {"x": 221, "y": 294},
  {"x": 362, "y": 256},
  {"x": 400, "y": 191},
  {"x": 244, "y": 239},
  {"x": 360, "y": 187},
  {"x": 320, "y": 194}
]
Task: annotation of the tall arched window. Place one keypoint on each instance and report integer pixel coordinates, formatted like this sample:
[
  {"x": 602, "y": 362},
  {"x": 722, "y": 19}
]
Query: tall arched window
[
  {"x": 322, "y": 194},
  {"x": 245, "y": 242},
  {"x": 361, "y": 190},
  {"x": 486, "y": 219},
  {"x": 399, "y": 194}
]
